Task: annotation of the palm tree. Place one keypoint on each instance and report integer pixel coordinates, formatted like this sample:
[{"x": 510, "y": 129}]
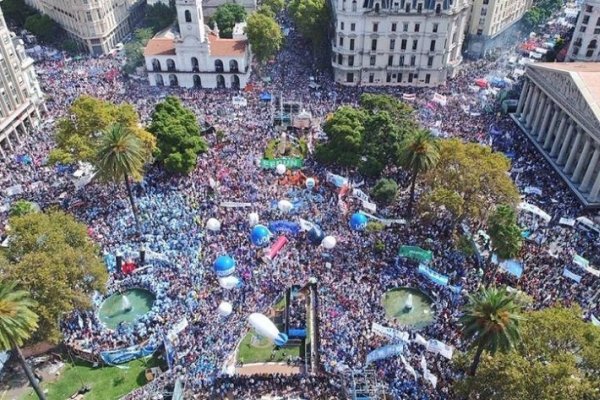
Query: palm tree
[
  {"x": 491, "y": 318},
  {"x": 121, "y": 155},
  {"x": 419, "y": 153},
  {"x": 17, "y": 323}
]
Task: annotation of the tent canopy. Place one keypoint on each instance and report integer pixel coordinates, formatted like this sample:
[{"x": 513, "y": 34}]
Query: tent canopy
[{"x": 265, "y": 96}]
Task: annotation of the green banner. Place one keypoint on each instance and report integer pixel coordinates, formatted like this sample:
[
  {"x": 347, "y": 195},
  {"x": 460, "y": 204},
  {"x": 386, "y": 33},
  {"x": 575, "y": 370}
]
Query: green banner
[
  {"x": 415, "y": 253},
  {"x": 289, "y": 162}
]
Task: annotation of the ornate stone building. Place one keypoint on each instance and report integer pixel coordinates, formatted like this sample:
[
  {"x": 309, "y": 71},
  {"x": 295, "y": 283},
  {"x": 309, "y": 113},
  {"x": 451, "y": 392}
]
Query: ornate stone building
[
  {"x": 397, "y": 42},
  {"x": 585, "y": 44},
  {"x": 21, "y": 98},
  {"x": 97, "y": 25},
  {"x": 559, "y": 110},
  {"x": 195, "y": 56}
]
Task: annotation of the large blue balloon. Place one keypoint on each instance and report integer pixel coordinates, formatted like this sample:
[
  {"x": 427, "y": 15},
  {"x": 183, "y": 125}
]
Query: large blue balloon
[
  {"x": 224, "y": 266},
  {"x": 315, "y": 235},
  {"x": 260, "y": 235},
  {"x": 358, "y": 222}
]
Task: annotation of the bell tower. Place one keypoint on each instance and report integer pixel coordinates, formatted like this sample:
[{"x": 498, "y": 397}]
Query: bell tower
[{"x": 191, "y": 19}]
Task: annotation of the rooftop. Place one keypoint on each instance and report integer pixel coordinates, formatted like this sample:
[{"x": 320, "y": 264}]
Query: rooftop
[
  {"x": 160, "y": 46},
  {"x": 226, "y": 47}
]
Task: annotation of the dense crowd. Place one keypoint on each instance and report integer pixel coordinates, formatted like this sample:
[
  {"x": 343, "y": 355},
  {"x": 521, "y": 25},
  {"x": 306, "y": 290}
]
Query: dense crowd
[{"x": 351, "y": 278}]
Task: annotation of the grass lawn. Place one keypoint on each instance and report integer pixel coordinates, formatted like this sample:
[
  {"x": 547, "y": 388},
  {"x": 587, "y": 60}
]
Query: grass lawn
[
  {"x": 262, "y": 351},
  {"x": 107, "y": 383}
]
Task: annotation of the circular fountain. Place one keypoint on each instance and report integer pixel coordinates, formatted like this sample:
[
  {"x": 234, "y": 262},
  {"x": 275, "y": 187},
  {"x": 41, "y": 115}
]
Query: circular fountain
[
  {"x": 125, "y": 307},
  {"x": 409, "y": 307}
]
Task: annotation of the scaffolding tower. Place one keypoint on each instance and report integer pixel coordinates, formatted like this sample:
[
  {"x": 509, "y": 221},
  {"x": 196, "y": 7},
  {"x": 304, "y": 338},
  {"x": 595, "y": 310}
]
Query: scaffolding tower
[{"x": 364, "y": 385}]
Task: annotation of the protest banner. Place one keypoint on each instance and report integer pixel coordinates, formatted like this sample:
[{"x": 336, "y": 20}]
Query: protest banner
[
  {"x": 390, "y": 333},
  {"x": 289, "y": 162},
  {"x": 121, "y": 356},
  {"x": 384, "y": 352},
  {"x": 434, "y": 276}
]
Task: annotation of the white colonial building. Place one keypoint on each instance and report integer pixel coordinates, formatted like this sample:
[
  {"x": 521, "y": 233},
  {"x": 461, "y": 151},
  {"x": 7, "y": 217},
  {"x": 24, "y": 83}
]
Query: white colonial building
[
  {"x": 559, "y": 110},
  {"x": 196, "y": 56},
  {"x": 398, "y": 42}
]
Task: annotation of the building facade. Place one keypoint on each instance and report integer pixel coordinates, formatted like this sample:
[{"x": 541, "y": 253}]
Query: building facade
[
  {"x": 97, "y": 25},
  {"x": 21, "y": 98},
  {"x": 196, "y": 56},
  {"x": 397, "y": 42},
  {"x": 559, "y": 111},
  {"x": 490, "y": 23},
  {"x": 586, "y": 37}
]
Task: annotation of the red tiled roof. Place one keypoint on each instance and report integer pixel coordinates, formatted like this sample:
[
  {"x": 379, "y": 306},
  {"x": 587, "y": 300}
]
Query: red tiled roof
[
  {"x": 226, "y": 47},
  {"x": 160, "y": 47}
]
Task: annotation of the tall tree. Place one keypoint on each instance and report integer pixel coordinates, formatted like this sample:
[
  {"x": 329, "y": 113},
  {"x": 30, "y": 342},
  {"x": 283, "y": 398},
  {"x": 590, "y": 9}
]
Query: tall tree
[
  {"x": 505, "y": 232},
  {"x": 226, "y": 16},
  {"x": 264, "y": 35},
  {"x": 312, "y": 19},
  {"x": 471, "y": 174},
  {"x": 558, "y": 358},
  {"x": 419, "y": 153},
  {"x": 344, "y": 131},
  {"x": 122, "y": 156},
  {"x": 134, "y": 50},
  {"x": 491, "y": 320},
  {"x": 52, "y": 257},
  {"x": 178, "y": 135},
  {"x": 276, "y": 6},
  {"x": 79, "y": 133},
  {"x": 159, "y": 16},
  {"x": 43, "y": 27},
  {"x": 17, "y": 323},
  {"x": 16, "y": 11}
]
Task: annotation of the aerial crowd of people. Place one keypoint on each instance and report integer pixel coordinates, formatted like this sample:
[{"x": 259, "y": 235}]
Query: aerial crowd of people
[{"x": 352, "y": 277}]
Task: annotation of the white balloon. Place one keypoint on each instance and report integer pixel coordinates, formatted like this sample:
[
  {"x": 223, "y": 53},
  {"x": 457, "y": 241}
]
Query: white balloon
[
  {"x": 225, "y": 308},
  {"x": 329, "y": 242},
  {"x": 213, "y": 224},
  {"x": 263, "y": 325},
  {"x": 229, "y": 282},
  {"x": 284, "y": 206},
  {"x": 253, "y": 218},
  {"x": 280, "y": 169}
]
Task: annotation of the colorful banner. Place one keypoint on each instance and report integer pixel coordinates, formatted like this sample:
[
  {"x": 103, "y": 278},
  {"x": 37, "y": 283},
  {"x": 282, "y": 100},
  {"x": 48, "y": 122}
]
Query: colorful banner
[
  {"x": 372, "y": 207},
  {"x": 427, "y": 374},
  {"x": 390, "y": 333},
  {"x": 121, "y": 356},
  {"x": 277, "y": 246},
  {"x": 289, "y": 227},
  {"x": 359, "y": 194},
  {"x": 289, "y": 162},
  {"x": 420, "y": 340},
  {"x": 513, "y": 267},
  {"x": 571, "y": 275},
  {"x": 415, "y": 253},
  {"x": 434, "y": 276},
  {"x": 336, "y": 180},
  {"x": 305, "y": 225},
  {"x": 408, "y": 367},
  {"x": 234, "y": 204},
  {"x": 384, "y": 352}
]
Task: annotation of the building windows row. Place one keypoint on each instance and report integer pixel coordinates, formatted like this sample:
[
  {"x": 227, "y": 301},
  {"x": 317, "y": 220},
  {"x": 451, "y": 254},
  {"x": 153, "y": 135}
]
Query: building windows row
[{"x": 394, "y": 26}]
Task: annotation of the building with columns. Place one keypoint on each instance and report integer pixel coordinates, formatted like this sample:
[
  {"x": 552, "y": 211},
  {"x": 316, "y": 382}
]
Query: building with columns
[
  {"x": 21, "y": 98},
  {"x": 195, "y": 56},
  {"x": 559, "y": 111},
  {"x": 397, "y": 42},
  {"x": 585, "y": 44}
]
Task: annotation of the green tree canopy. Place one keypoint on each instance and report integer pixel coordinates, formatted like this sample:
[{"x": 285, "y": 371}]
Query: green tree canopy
[
  {"x": 312, "y": 19},
  {"x": 558, "y": 358},
  {"x": 344, "y": 131},
  {"x": 227, "y": 16},
  {"x": 43, "y": 27},
  {"x": 505, "y": 232},
  {"x": 51, "y": 256},
  {"x": 276, "y": 6},
  {"x": 134, "y": 50},
  {"x": 16, "y": 11},
  {"x": 264, "y": 35},
  {"x": 80, "y": 131},
  {"x": 22, "y": 207},
  {"x": 159, "y": 16},
  {"x": 385, "y": 191},
  {"x": 491, "y": 320},
  {"x": 468, "y": 181},
  {"x": 178, "y": 135}
]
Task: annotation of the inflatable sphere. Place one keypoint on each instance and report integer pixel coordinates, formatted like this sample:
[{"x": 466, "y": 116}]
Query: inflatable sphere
[
  {"x": 315, "y": 235},
  {"x": 213, "y": 224},
  {"x": 229, "y": 282},
  {"x": 260, "y": 235},
  {"x": 253, "y": 218},
  {"x": 224, "y": 266},
  {"x": 225, "y": 308},
  {"x": 266, "y": 328},
  {"x": 358, "y": 222},
  {"x": 285, "y": 206},
  {"x": 329, "y": 242},
  {"x": 280, "y": 169},
  {"x": 310, "y": 183}
]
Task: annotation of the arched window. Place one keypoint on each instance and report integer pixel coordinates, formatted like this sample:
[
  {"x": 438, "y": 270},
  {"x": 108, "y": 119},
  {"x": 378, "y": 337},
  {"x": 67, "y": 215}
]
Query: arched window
[
  {"x": 170, "y": 64},
  {"x": 195, "y": 66},
  {"x": 233, "y": 66},
  {"x": 156, "y": 65},
  {"x": 235, "y": 82},
  {"x": 173, "y": 80},
  {"x": 159, "y": 80},
  {"x": 220, "y": 82},
  {"x": 197, "y": 81},
  {"x": 218, "y": 66},
  {"x": 188, "y": 16},
  {"x": 592, "y": 44}
]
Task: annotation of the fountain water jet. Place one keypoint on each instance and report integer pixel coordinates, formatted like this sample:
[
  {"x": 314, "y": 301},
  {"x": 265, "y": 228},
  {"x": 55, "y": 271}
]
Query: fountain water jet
[
  {"x": 125, "y": 304},
  {"x": 408, "y": 304}
]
